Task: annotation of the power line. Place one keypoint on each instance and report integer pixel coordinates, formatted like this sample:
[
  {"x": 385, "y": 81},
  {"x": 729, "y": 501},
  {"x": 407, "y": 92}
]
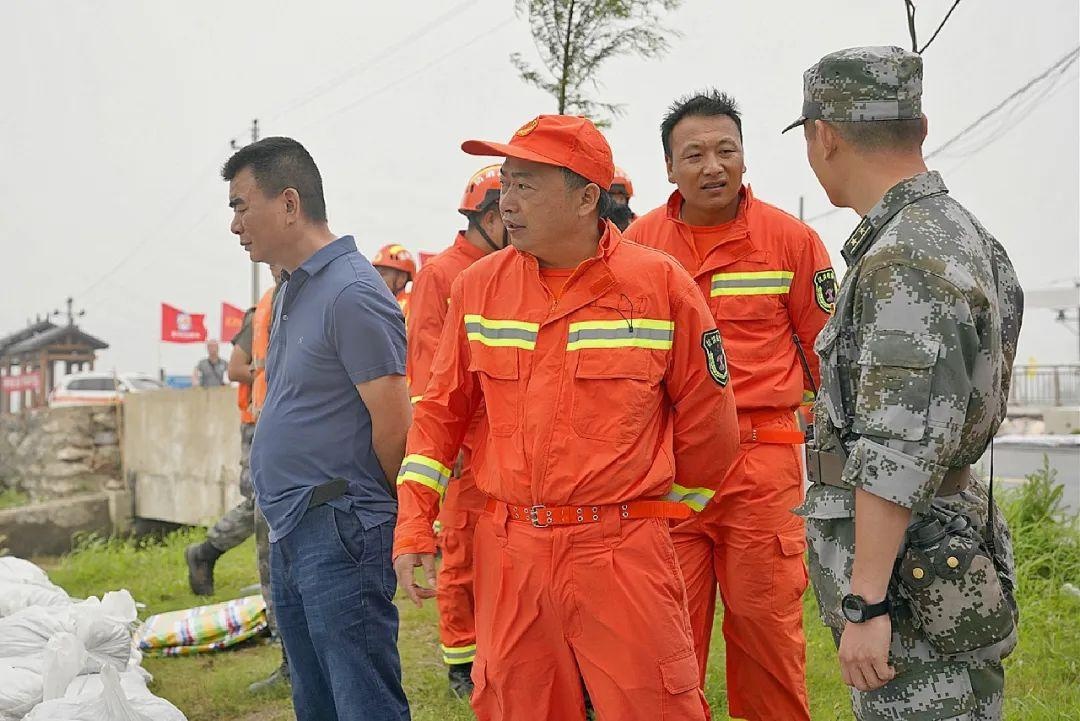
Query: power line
[
  {"x": 1060, "y": 65},
  {"x": 371, "y": 62},
  {"x": 363, "y": 98}
]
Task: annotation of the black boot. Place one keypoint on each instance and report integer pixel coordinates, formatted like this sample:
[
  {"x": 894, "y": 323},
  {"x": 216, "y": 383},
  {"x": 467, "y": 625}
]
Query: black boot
[
  {"x": 201, "y": 558},
  {"x": 460, "y": 676},
  {"x": 279, "y": 679}
]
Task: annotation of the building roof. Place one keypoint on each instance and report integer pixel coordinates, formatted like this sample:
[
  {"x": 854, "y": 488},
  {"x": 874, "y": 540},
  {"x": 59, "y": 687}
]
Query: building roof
[
  {"x": 56, "y": 335},
  {"x": 29, "y": 331}
]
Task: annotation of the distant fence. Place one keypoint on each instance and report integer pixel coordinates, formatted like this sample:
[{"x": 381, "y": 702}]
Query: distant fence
[{"x": 1045, "y": 386}]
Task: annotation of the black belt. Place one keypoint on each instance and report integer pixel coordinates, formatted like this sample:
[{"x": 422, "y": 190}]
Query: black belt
[
  {"x": 328, "y": 491},
  {"x": 825, "y": 467}
]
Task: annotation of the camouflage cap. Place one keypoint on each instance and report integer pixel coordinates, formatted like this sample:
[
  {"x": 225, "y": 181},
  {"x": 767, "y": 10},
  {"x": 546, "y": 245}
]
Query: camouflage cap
[{"x": 861, "y": 84}]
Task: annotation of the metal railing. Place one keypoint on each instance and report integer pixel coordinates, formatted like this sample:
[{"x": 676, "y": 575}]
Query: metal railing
[{"x": 1045, "y": 386}]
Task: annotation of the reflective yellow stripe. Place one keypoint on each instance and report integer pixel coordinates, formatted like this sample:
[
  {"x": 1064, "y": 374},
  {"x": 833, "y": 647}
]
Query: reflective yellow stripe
[
  {"x": 415, "y": 399},
  {"x": 457, "y": 655},
  {"x": 501, "y": 333},
  {"x": 629, "y": 333},
  {"x": 696, "y": 498},
  {"x": 425, "y": 471},
  {"x": 765, "y": 282}
]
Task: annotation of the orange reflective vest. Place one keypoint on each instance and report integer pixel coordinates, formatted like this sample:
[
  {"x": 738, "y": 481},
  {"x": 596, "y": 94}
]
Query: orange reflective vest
[
  {"x": 767, "y": 279},
  {"x": 616, "y": 391},
  {"x": 260, "y": 344}
]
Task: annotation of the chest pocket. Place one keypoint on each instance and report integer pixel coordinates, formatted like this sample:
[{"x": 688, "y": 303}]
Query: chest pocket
[
  {"x": 499, "y": 374},
  {"x": 896, "y": 374},
  {"x": 751, "y": 312},
  {"x": 618, "y": 368}
]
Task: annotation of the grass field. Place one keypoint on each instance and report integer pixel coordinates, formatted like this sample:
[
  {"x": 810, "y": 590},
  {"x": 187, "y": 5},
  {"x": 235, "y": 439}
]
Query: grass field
[{"x": 1043, "y": 674}]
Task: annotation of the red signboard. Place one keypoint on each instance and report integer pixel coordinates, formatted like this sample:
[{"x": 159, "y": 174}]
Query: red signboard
[
  {"x": 25, "y": 382},
  {"x": 180, "y": 327}
]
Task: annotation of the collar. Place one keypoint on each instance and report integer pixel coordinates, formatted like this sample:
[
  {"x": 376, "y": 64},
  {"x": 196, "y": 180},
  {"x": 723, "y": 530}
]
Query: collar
[
  {"x": 471, "y": 251},
  {"x": 896, "y": 198},
  {"x": 323, "y": 256},
  {"x": 675, "y": 203},
  {"x": 609, "y": 240}
]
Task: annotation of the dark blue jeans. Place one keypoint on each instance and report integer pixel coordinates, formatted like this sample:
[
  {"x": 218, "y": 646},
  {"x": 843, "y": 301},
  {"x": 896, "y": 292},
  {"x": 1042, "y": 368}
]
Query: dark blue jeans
[{"x": 333, "y": 586}]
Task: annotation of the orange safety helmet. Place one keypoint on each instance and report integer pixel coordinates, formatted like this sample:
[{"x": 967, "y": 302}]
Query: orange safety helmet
[
  {"x": 396, "y": 257},
  {"x": 621, "y": 178},
  {"x": 482, "y": 190}
]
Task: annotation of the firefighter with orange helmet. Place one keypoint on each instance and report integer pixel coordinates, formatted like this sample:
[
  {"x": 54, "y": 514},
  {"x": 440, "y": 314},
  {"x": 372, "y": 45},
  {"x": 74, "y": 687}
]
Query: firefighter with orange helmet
[
  {"x": 622, "y": 190},
  {"x": 397, "y": 268},
  {"x": 429, "y": 301}
]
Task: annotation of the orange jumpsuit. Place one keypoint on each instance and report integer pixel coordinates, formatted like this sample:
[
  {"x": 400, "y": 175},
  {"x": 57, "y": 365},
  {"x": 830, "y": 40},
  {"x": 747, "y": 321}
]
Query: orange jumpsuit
[
  {"x": 767, "y": 277},
  {"x": 429, "y": 301},
  {"x": 607, "y": 411}
]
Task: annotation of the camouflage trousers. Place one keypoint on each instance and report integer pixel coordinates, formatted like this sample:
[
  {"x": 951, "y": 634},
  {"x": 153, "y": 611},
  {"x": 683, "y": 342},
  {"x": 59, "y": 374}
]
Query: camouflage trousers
[
  {"x": 262, "y": 549},
  {"x": 238, "y": 523},
  {"x": 929, "y": 685}
]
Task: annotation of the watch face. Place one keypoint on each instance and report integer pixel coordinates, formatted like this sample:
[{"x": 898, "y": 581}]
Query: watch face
[{"x": 852, "y": 606}]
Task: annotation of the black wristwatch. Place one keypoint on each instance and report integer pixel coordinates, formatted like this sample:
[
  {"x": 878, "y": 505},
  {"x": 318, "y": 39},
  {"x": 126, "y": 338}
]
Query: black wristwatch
[{"x": 857, "y": 610}]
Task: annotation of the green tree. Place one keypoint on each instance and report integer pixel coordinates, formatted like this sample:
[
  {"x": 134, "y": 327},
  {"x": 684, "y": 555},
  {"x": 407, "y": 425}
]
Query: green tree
[{"x": 575, "y": 37}]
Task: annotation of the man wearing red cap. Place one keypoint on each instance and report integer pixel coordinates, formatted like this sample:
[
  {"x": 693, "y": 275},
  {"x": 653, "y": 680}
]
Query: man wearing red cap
[
  {"x": 607, "y": 413},
  {"x": 429, "y": 302}
]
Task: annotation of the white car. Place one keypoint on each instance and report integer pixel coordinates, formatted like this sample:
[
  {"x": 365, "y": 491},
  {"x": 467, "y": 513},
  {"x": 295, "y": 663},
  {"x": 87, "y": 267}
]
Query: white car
[{"x": 99, "y": 388}]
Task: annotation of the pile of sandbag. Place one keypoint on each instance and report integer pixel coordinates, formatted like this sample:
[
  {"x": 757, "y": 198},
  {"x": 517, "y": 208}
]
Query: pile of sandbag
[{"x": 67, "y": 660}]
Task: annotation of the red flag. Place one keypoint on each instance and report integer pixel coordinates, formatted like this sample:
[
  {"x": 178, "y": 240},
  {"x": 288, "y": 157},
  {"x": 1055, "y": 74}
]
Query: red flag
[
  {"x": 180, "y": 327},
  {"x": 232, "y": 319}
]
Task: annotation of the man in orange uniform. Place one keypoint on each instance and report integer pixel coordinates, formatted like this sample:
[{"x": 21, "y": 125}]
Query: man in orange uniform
[
  {"x": 606, "y": 412},
  {"x": 769, "y": 283},
  {"x": 429, "y": 301},
  {"x": 397, "y": 268}
]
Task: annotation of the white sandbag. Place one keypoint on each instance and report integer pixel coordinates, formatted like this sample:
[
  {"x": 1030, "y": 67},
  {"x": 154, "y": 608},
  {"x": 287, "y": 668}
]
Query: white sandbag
[
  {"x": 20, "y": 691},
  {"x": 91, "y": 685},
  {"x": 17, "y": 595},
  {"x": 21, "y": 570},
  {"x": 112, "y": 704},
  {"x": 65, "y": 657},
  {"x": 104, "y": 627}
]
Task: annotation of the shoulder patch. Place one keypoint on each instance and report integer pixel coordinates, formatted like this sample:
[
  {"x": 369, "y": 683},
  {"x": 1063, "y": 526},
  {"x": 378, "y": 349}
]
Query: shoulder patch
[
  {"x": 715, "y": 358},
  {"x": 825, "y": 289}
]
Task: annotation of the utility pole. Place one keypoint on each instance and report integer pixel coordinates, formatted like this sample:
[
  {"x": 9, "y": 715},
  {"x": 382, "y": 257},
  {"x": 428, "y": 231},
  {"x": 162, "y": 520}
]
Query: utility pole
[{"x": 254, "y": 265}]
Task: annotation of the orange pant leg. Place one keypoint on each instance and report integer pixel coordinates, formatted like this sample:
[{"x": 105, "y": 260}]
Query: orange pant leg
[
  {"x": 625, "y": 604},
  {"x": 696, "y": 551},
  {"x": 524, "y": 668},
  {"x": 457, "y": 628}
]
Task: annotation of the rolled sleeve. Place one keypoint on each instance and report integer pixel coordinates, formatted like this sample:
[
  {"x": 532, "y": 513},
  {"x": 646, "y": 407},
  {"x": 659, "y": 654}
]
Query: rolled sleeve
[
  {"x": 893, "y": 475},
  {"x": 368, "y": 332}
]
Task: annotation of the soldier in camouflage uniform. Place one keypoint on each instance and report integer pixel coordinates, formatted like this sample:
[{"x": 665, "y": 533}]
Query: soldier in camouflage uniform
[{"x": 915, "y": 368}]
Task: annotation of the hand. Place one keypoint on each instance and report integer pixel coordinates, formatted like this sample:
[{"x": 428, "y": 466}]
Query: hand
[
  {"x": 404, "y": 566},
  {"x": 864, "y": 654}
]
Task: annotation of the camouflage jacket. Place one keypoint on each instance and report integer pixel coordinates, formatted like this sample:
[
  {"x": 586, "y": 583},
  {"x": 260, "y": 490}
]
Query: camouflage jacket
[{"x": 915, "y": 363}]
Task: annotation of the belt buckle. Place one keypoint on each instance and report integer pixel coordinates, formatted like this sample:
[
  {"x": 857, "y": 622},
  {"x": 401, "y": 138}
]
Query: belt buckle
[{"x": 534, "y": 516}]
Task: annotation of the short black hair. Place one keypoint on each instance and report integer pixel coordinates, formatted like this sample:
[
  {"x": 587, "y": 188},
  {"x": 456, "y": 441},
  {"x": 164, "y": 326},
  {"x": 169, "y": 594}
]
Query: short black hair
[
  {"x": 575, "y": 181},
  {"x": 279, "y": 163},
  {"x": 876, "y": 136},
  {"x": 707, "y": 103}
]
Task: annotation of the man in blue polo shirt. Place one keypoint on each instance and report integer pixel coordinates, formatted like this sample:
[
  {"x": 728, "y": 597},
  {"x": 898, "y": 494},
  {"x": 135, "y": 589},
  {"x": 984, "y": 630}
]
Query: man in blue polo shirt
[{"x": 330, "y": 437}]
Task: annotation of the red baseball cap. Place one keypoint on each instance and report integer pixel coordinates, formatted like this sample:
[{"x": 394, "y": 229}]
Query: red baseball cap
[{"x": 566, "y": 141}]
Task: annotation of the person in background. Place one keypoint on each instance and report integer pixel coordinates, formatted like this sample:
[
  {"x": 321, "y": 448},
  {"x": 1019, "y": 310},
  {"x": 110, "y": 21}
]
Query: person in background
[
  {"x": 397, "y": 269},
  {"x": 622, "y": 190},
  {"x": 210, "y": 371}
]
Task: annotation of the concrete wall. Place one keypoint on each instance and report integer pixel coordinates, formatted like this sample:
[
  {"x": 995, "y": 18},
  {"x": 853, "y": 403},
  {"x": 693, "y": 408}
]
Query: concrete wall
[
  {"x": 50, "y": 527},
  {"x": 181, "y": 452},
  {"x": 58, "y": 452}
]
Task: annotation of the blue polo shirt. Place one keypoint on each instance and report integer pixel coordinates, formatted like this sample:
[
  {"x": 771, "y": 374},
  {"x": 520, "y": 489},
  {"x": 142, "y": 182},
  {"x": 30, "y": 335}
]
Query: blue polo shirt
[{"x": 335, "y": 325}]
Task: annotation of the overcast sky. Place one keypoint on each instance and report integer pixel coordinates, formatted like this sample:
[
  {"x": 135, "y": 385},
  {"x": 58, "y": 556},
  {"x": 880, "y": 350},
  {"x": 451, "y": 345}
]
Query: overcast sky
[{"x": 116, "y": 117}]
